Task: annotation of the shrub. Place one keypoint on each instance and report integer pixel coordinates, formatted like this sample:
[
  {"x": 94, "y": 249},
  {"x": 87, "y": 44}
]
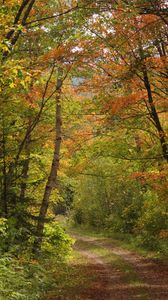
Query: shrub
[
  {"x": 152, "y": 222},
  {"x": 22, "y": 280},
  {"x": 56, "y": 242}
]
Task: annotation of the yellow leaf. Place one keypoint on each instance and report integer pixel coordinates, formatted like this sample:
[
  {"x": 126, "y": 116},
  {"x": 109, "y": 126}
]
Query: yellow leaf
[{"x": 12, "y": 85}]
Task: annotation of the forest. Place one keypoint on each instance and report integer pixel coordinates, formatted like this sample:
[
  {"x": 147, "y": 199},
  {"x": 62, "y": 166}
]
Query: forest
[{"x": 83, "y": 149}]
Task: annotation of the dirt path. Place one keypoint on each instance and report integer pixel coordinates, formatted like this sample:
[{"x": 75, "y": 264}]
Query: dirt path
[
  {"x": 143, "y": 279},
  {"x": 108, "y": 282}
]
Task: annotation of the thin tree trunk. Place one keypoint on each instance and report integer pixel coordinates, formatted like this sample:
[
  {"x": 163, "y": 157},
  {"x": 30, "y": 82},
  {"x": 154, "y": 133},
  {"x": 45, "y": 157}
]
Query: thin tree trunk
[
  {"x": 154, "y": 115},
  {"x": 13, "y": 35},
  {"x": 19, "y": 214},
  {"x": 25, "y": 171},
  {"x": 151, "y": 104},
  {"x": 12, "y": 169},
  {"x": 17, "y": 18},
  {"x": 51, "y": 182},
  {"x": 4, "y": 193}
]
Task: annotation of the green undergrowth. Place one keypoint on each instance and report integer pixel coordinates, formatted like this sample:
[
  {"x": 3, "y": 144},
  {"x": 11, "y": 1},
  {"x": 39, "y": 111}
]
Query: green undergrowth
[
  {"x": 70, "y": 279},
  {"x": 23, "y": 277}
]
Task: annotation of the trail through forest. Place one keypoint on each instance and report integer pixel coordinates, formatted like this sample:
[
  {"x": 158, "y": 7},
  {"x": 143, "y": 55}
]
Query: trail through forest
[
  {"x": 116, "y": 273},
  {"x": 141, "y": 279},
  {"x": 109, "y": 280},
  {"x": 83, "y": 141}
]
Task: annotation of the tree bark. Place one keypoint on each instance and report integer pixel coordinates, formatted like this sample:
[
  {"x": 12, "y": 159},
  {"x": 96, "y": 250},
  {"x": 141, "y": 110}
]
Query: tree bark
[
  {"x": 52, "y": 178},
  {"x": 25, "y": 171},
  {"x": 13, "y": 35},
  {"x": 154, "y": 115},
  {"x": 17, "y": 18},
  {"x": 4, "y": 193}
]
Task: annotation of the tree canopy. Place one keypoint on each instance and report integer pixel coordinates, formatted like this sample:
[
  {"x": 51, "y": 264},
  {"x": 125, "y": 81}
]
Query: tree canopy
[{"x": 83, "y": 119}]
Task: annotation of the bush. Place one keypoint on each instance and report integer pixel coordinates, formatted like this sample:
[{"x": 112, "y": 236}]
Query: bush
[
  {"x": 14, "y": 238},
  {"x": 22, "y": 280},
  {"x": 78, "y": 216},
  {"x": 3, "y": 233},
  {"x": 152, "y": 222},
  {"x": 56, "y": 242}
]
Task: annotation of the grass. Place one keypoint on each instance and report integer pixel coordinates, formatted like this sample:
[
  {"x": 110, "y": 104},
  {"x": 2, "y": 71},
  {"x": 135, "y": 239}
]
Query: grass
[
  {"x": 69, "y": 278},
  {"x": 125, "y": 241},
  {"x": 74, "y": 277}
]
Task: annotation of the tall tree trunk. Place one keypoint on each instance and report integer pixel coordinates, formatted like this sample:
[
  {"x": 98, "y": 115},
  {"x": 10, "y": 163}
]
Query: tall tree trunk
[
  {"x": 4, "y": 192},
  {"x": 19, "y": 212},
  {"x": 25, "y": 171},
  {"x": 151, "y": 104},
  {"x": 12, "y": 169},
  {"x": 154, "y": 115},
  {"x": 52, "y": 178}
]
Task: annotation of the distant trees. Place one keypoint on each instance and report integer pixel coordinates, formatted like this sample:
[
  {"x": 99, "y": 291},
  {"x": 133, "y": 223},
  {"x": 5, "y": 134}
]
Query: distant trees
[{"x": 129, "y": 84}]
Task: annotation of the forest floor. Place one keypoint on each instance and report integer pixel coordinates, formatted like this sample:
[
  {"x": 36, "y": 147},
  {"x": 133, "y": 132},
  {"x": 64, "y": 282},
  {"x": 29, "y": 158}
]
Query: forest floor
[{"x": 104, "y": 271}]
